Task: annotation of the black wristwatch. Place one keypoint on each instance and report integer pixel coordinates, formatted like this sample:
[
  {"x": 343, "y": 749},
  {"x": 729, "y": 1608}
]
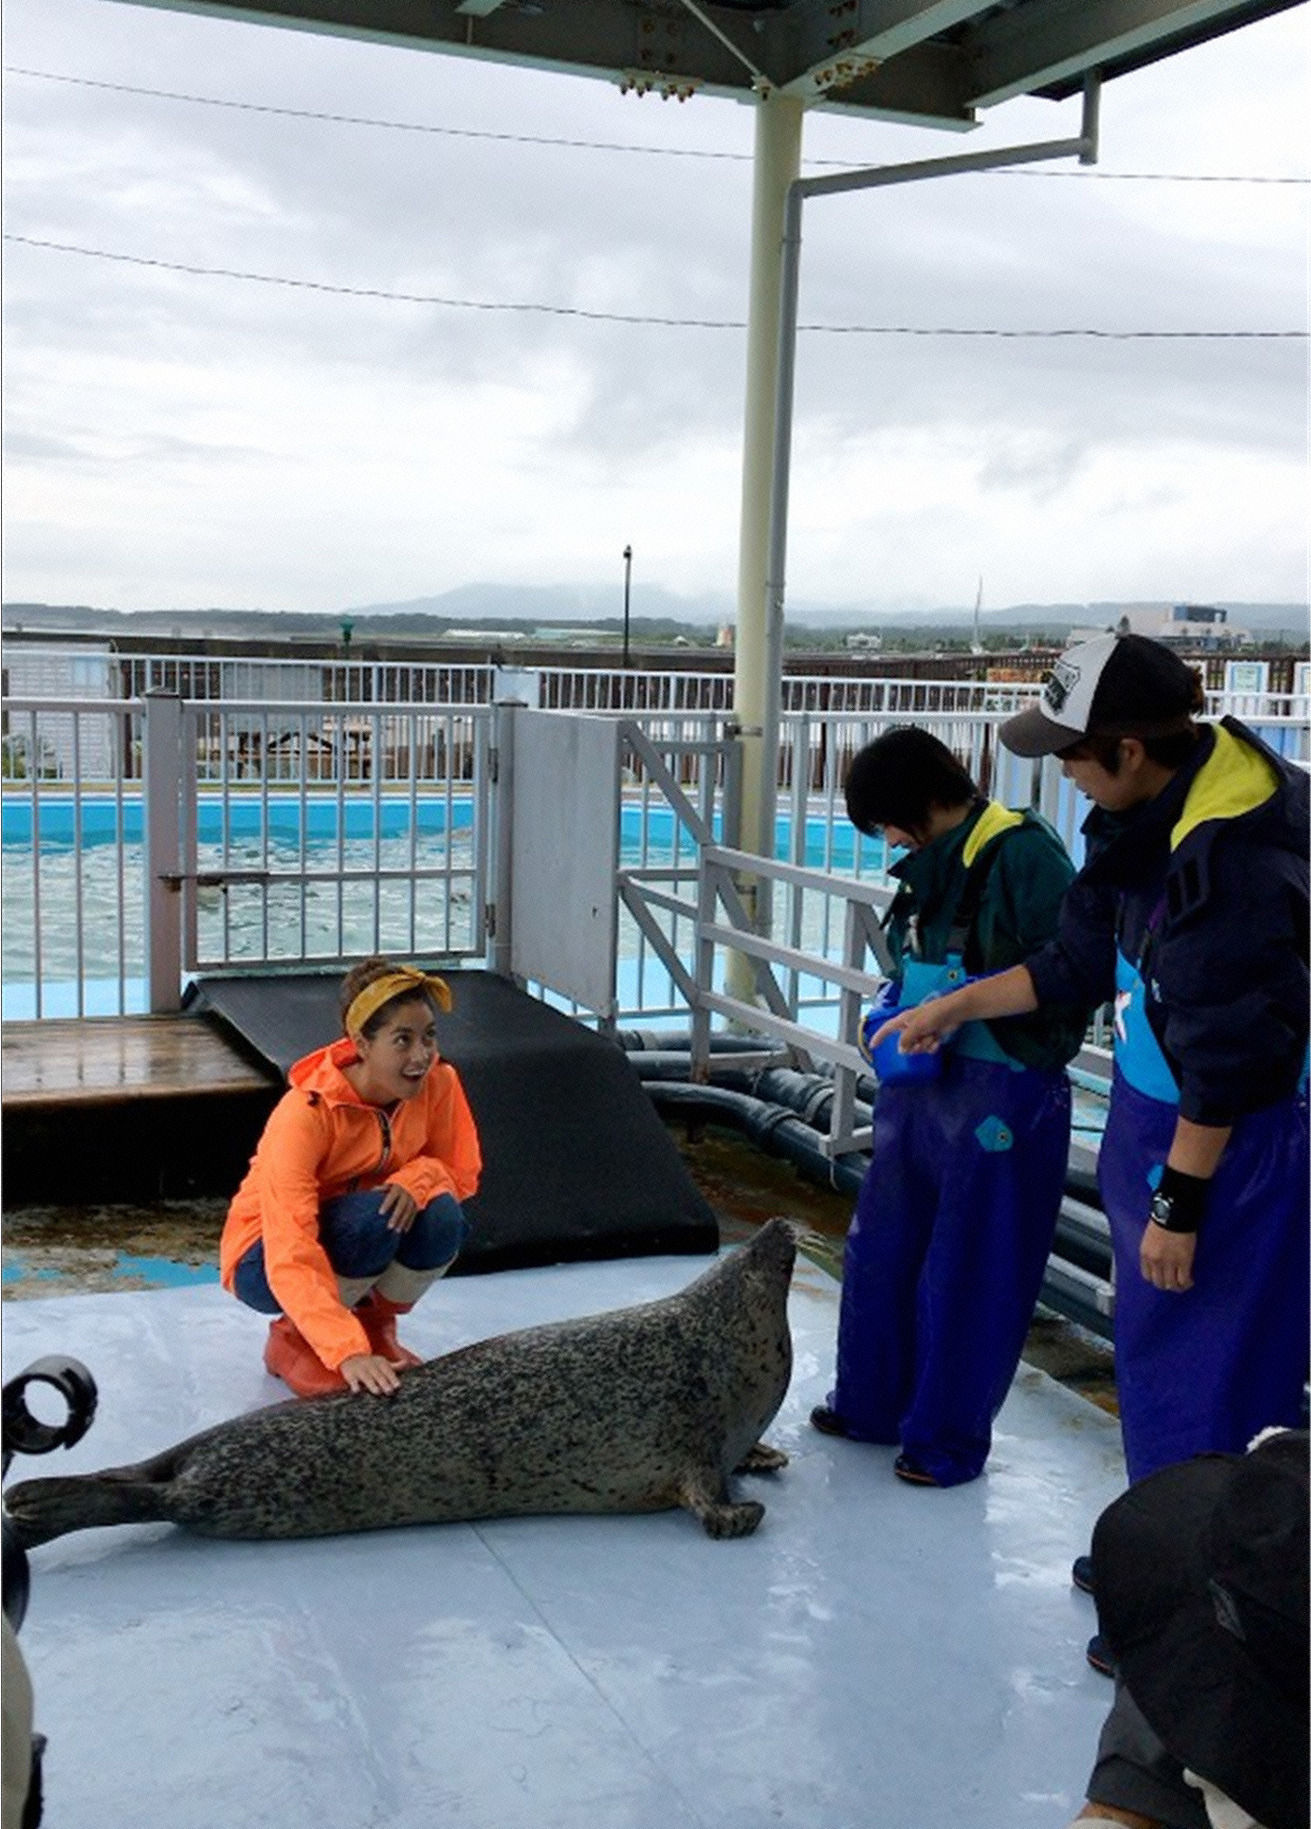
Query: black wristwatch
[{"x": 1179, "y": 1201}]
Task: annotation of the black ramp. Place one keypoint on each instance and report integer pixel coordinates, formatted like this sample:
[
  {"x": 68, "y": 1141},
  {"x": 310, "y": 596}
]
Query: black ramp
[{"x": 576, "y": 1163}]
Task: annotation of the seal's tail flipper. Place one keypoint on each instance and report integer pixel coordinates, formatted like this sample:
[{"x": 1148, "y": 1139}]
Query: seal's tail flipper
[{"x": 42, "y": 1509}]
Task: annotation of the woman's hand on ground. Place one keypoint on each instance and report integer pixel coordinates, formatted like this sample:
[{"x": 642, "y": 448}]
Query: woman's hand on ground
[
  {"x": 370, "y": 1372},
  {"x": 1166, "y": 1258},
  {"x": 398, "y": 1208}
]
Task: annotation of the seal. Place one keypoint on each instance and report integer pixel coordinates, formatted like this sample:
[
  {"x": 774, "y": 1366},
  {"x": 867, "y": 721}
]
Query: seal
[{"x": 636, "y": 1410}]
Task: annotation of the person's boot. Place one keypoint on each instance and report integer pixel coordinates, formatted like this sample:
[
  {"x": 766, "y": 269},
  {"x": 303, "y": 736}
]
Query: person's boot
[
  {"x": 395, "y": 1293},
  {"x": 377, "y": 1315},
  {"x": 289, "y": 1356}
]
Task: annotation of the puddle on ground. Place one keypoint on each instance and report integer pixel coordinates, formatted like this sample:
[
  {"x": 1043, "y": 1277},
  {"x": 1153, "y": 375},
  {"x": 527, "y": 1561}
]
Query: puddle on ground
[{"x": 56, "y": 1251}]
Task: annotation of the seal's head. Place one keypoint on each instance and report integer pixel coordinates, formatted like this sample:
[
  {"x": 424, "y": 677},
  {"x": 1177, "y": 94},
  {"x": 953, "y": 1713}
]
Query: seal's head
[{"x": 774, "y": 1248}]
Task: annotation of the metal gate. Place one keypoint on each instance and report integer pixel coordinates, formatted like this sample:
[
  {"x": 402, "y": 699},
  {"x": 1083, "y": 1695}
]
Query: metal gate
[{"x": 293, "y": 833}]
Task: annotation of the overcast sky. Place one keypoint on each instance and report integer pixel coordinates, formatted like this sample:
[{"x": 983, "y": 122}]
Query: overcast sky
[{"x": 175, "y": 441}]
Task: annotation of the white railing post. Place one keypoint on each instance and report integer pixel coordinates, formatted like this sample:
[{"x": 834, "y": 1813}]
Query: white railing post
[
  {"x": 699, "y": 1065},
  {"x": 841, "y": 1137},
  {"x": 500, "y": 911},
  {"x": 163, "y": 831},
  {"x": 189, "y": 837}
]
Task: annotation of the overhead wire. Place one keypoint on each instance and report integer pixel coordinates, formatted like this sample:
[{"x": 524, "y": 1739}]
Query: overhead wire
[
  {"x": 631, "y": 317},
  {"x": 532, "y": 139}
]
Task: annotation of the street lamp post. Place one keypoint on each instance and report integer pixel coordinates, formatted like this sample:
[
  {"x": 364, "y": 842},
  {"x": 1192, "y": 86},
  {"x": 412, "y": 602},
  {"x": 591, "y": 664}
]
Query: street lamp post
[{"x": 628, "y": 586}]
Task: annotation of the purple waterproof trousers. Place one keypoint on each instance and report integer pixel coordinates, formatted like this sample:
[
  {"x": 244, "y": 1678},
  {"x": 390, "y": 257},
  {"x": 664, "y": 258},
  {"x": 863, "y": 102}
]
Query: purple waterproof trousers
[
  {"x": 1205, "y": 1370},
  {"x": 945, "y": 1258}
]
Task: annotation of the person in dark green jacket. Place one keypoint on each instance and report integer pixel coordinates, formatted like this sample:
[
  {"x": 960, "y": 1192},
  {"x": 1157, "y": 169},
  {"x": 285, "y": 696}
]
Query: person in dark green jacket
[{"x": 955, "y": 1218}]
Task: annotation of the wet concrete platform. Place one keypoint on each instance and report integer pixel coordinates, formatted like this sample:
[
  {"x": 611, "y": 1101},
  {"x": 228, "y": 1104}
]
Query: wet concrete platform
[{"x": 874, "y": 1654}]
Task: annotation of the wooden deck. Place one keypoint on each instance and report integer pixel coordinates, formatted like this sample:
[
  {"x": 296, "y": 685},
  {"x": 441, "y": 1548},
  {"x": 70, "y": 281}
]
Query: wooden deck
[{"x": 108, "y": 1060}]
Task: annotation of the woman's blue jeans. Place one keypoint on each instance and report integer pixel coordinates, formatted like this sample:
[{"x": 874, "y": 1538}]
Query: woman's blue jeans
[{"x": 353, "y": 1231}]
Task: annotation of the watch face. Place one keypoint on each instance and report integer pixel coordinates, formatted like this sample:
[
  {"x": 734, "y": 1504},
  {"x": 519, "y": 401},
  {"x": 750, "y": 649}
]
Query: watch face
[{"x": 1162, "y": 1207}]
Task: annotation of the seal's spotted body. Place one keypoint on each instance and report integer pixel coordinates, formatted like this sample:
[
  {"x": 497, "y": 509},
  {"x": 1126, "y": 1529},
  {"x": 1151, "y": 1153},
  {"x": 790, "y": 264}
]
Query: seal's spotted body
[{"x": 637, "y": 1410}]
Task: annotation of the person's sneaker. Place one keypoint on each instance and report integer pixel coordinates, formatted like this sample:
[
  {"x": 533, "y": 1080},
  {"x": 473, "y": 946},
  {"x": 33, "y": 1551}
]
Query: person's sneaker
[
  {"x": 1099, "y": 1656},
  {"x": 911, "y": 1474},
  {"x": 827, "y": 1421},
  {"x": 1081, "y": 1574}
]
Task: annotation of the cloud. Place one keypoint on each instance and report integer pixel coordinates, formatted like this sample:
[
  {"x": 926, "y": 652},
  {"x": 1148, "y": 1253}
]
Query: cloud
[{"x": 175, "y": 439}]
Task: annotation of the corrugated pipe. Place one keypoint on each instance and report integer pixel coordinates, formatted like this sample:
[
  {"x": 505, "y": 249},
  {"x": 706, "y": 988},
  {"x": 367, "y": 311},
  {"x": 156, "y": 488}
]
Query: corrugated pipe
[
  {"x": 772, "y": 1128},
  {"x": 679, "y": 1041}
]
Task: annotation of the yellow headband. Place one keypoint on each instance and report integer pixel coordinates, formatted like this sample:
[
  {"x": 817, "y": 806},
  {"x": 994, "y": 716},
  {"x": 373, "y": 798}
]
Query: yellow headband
[{"x": 381, "y": 990}]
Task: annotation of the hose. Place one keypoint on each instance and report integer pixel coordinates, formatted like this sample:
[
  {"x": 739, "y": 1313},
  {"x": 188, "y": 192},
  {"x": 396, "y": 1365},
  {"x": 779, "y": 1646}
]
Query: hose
[{"x": 772, "y": 1128}]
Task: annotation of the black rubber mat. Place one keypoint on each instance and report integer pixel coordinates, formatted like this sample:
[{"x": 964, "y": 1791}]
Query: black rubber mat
[{"x": 576, "y": 1163}]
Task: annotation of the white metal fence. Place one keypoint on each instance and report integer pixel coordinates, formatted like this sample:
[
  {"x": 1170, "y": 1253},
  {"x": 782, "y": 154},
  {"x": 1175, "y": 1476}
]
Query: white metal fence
[
  {"x": 73, "y": 895},
  {"x": 321, "y": 829},
  {"x": 176, "y": 837}
]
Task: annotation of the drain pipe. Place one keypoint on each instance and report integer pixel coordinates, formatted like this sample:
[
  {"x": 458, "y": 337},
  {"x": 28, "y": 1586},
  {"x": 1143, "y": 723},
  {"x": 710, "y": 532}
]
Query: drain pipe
[{"x": 875, "y": 177}]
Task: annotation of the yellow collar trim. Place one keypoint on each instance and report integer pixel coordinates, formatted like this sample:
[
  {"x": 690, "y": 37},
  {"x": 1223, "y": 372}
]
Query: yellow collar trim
[
  {"x": 1233, "y": 780},
  {"x": 391, "y": 984},
  {"x": 993, "y": 821}
]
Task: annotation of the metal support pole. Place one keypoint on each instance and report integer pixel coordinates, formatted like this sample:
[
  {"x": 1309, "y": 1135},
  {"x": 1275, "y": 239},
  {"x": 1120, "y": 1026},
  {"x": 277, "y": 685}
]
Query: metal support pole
[
  {"x": 777, "y": 162},
  {"x": 163, "y": 776},
  {"x": 876, "y": 177}
]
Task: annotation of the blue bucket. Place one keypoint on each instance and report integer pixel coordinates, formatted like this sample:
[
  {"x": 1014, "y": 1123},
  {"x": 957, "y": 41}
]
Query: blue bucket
[{"x": 892, "y": 1067}]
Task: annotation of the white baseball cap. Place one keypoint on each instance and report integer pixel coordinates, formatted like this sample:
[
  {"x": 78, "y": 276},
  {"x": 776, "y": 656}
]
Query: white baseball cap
[{"x": 1114, "y": 685}]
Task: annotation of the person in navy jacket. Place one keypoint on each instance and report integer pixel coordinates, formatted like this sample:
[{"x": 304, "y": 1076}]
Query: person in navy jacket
[{"x": 1190, "y": 914}]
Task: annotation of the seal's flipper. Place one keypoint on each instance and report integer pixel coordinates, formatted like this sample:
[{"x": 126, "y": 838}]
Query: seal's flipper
[
  {"x": 707, "y": 1498},
  {"x": 42, "y": 1509},
  {"x": 762, "y": 1459}
]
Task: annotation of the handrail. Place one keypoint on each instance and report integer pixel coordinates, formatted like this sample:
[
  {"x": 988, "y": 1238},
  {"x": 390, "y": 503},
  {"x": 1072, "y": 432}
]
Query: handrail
[{"x": 874, "y": 895}]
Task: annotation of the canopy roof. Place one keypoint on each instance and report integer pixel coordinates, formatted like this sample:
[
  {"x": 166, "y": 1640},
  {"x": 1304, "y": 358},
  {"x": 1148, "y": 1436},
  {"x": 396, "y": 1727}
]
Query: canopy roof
[{"x": 929, "y": 61}]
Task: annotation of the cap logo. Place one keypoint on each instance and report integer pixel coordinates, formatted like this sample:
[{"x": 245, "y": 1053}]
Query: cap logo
[
  {"x": 1064, "y": 678},
  {"x": 1226, "y": 1611}
]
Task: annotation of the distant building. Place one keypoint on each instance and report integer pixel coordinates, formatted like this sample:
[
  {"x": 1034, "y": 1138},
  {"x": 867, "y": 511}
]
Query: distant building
[
  {"x": 1203, "y": 625},
  {"x": 862, "y": 643},
  {"x": 489, "y": 636},
  {"x": 54, "y": 673},
  {"x": 724, "y": 639},
  {"x": 1192, "y": 625}
]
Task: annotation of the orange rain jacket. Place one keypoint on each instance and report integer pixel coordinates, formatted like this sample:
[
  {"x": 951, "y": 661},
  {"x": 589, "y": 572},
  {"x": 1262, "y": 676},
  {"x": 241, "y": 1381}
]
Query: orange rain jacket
[{"x": 322, "y": 1140}]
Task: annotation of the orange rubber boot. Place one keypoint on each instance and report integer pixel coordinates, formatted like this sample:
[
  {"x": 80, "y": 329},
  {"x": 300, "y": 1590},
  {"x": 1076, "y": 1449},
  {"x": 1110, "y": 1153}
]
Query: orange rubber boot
[
  {"x": 378, "y": 1315},
  {"x": 289, "y": 1356}
]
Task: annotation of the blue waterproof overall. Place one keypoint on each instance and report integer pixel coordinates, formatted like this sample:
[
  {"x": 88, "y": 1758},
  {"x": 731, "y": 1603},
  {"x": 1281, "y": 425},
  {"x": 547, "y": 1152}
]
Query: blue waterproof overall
[
  {"x": 945, "y": 1255},
  {"x": 1205, "y": 1369}
]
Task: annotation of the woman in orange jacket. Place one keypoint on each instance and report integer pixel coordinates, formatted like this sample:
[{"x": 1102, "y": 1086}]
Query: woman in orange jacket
[{"x": 351, "y": 1206}]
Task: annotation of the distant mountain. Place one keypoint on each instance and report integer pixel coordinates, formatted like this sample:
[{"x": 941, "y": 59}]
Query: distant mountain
[
  {"x": 555, "y": 604},
  {"x": 657, "y": 615}
]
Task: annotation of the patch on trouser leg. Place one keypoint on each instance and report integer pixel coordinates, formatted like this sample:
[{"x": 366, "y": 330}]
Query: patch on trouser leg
[{"x": 994, "y": 1136}]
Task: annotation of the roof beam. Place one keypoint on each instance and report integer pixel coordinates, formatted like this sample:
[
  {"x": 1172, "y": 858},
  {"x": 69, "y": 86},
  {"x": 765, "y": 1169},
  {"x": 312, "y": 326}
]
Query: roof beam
[
  {"x": 924, "y": 84},
  {"x": 927, "y": 86},
  {"x": 813, "y": 40},
  {"x": 584, "y": 37},
  {"x": 1040, "y": 44},
  {"x": 926, "y": 62}
]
